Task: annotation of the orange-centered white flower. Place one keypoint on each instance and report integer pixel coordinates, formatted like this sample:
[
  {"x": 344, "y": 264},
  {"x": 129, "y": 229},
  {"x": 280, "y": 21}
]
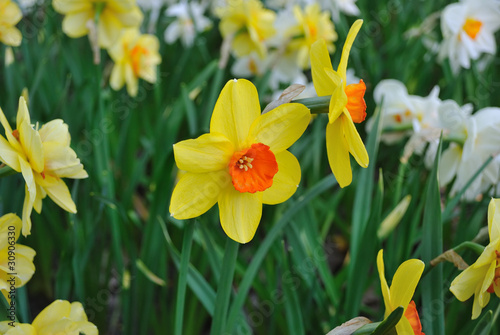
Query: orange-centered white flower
[
  {"x": 10, "y": 15},
  {"x": 249, "y": 23},
  {"x": 402, "y": 288},
  {"x": 60, "y": 317},
  {"x": 242, "y": 163},
  {"x": 347, "y": 105},
  {"x": 114, "y": 15},
  {"x": 483, "y": 277},
  {"x": 135, "y": 56},
  {"x": 43, "y": 157}
]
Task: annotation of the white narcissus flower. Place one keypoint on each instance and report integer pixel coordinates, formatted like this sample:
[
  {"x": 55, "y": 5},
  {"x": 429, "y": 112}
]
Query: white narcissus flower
[
  {"x": 189, "y": 21},
  {"x": 468, "y": 30}
]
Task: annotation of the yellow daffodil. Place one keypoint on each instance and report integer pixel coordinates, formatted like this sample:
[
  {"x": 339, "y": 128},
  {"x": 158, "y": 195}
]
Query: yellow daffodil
[
  {"x": 135, "y": 56},
  {"x": 400, "y": 293},
  {"x": 249, "y": 23},
  {"x": 483, "y": 277},
  {"x": 16, "y": 260},
  {"x": 347, "y": 105},
  {"x": 312, "y": 25},
  {"x": 10, "y": 15},
  {"x": 43, "y": 157},
  {"x": 242, "y": 163},
  {"x": 114, "y": 15},
  {"x": 60, "y": 317}
]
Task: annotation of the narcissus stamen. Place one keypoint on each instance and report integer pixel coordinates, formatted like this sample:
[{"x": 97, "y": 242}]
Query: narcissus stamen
[
  {"x": 15, "y": 133},
  {"x": 252, "y": 169},
  {"x": 355, "y": 101},
  {"x": 472, "y": 27}
]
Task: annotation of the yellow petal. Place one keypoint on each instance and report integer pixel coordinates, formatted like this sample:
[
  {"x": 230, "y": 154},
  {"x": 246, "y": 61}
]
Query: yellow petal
[
  {"x": 11, "y": 36},
  {"x": 320, "y": 59},
  {"x": 108, "y": 28},
  {"x": 196, "y": 193},
  {"x": 24, "y": 265},
  {"x": 285, "y": 182},
  {"x": 281, "y": 127},
  {"x": 356, "y": 146},
  {"x": 77, "y": 312},
  {"x": 207, "y": 153},
  {"x": 404, "y": 327},
  {"x": 338, "y": 153},
  {"x": 131, "y": 17},
  {"x": 9, "y": 155},
  {"x": 29, "y": 138},
  {"x": 131, "y": 80},
  {"x": 20, "y": 329},
  {"x": 240, "y": 214},
  {"x": 8, "y": 133},
  {"x": 383, "y": 283},
  {"x": 405, "y": 282},
  {"x": 236, "y": 108},
  {"x": 52, "y": 313},
  {"x": 117, "y": 79},
  {"x": 11, "y": 13},
  {"x": 338, "y": 101},
  {"x": 494, "y": 219},
  {"x": 7, "y": 221},
  {"x": 59, "y": 193},
  {"x": 347, "y": 48},
  {"x": 75, "y": 24},
  {"x": 30, "y": 196},
  {"x": 477, "y": 305},
  {"x": 61, "y": 161},
  {"x": 65, "y": 7}
]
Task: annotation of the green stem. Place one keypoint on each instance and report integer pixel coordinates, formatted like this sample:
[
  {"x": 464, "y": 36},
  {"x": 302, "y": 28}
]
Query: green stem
[
  {"x": 6, "y": 171},
  {"x": 183, "y": 270},
  {"x": 317, "y": 105},
  {"x": 477, "y": 248},
  {"x": 224, "y": 287}
]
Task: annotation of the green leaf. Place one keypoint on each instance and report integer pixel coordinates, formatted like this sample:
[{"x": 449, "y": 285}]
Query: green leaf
[
  {"x": 484, "y": 325},
  {"x": 385, "y": 327}
]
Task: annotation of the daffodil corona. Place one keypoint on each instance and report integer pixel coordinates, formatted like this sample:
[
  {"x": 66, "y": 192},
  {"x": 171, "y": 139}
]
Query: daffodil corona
[
  {"x": 10, "y": 15},
  {"x": 483, "y": 277},
  {"x": 135, "y": 56},
  {"x": 44, "y": 157},
  {"x": 347, "y": 105},
  {"x": 242, "y": 163},
  {"x": 400, "y": 293},
  {"x": 113, "y": 16}
]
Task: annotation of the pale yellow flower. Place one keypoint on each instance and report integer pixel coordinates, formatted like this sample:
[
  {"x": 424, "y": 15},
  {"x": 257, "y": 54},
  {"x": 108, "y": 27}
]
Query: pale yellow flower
[
  {"x": 60, "y": 317},
  {"x": 250, "y": 23},
  {"x": 135, "y": 56},
  {"x": 114, "y": 16},
  {"x": 43, "y": 157},
  {"x": 312, "y": 25},
  {"x": 16, "y": 260},
  {"x": 10, "y": 15}
]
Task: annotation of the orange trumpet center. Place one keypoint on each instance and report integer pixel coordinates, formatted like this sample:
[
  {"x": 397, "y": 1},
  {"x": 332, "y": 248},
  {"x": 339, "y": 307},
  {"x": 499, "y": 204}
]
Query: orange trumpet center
[
  {"x": 472, "y": 27},
  {"x": 355, "y": 101},
  {"x": 411, "y": 315},
  {"x": 136, "y": 56},
  {"x": 252, "y": 169}
]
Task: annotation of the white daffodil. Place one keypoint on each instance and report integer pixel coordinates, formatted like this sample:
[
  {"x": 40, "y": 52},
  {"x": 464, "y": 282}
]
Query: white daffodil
[
  {"x": 468, "y": 30},
  {"x": 249, "y": 66},
  {"x": 189, "y": 21}
]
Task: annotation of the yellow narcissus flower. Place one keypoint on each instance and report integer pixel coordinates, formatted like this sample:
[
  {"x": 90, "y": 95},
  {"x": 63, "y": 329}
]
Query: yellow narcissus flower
[
  {"x": 114, "y": 16},
  {"x": 312, "y": 25},
  {"x": 135, "y": 56},
  {"x": 402, "y": 288},
  {"x": 43, "y": 157},
  {"x": 10, "y": 15},
  {"x": 242, "y": 163},
  {"x": 347, "y": 105},
  {"x": 60, "y": 317},
  {"x": 483, "y": 277},
  {"x": 250, "y": 23},
  {"x": 16, "y": 260}
]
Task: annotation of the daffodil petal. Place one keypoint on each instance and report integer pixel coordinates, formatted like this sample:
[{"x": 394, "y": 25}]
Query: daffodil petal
[
  {"x": 11, "y": 36},
  {"x": 24, "y": 265},
  {"x": 353, "y": 32},
  {"x": 494, "y": 219},
  {"x": 131, "y": 80},
  {"x": 65, "y": 7},
  {"x": 404, "y": 326},
  {"x": 476, "y": 305},
  {"x": 320, "y": 59},
  {"x": 8, "y": 133},
  {"x": 6, "y": 221},
  {"x": 405, "y": 282},
  {"x": 117, "y": 79},
  {"x": 208, "y": 153},
  {"x": 75, "y": 24},
  {"x": 240, "y": 213},
  {"x": 450, "y": 160},
  {"x": 108, "y": 27},
  {"x": 59, "y": 193},
  {"x": 466, "y": 283},
  {"x": 9, "y": 155},
  {"x": 281, "y": 127},
  {"x": 236, "y": 109},
  {"x": 356, "y": 146},
  {"x": 30, "y": 138},
  {"x": 338, "y": 153},
  {"x": 285, "y": 182},
  {"x": 338, "y": 101},
  {"x": 52, "y": 314},
  {"x": 20, "y": 329},
  {"x": 77, "y": 312},
  {"x": 30, "y": 196},
  {"x": 383, "y": 283},
  {"x": 196, "y": 193}
]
